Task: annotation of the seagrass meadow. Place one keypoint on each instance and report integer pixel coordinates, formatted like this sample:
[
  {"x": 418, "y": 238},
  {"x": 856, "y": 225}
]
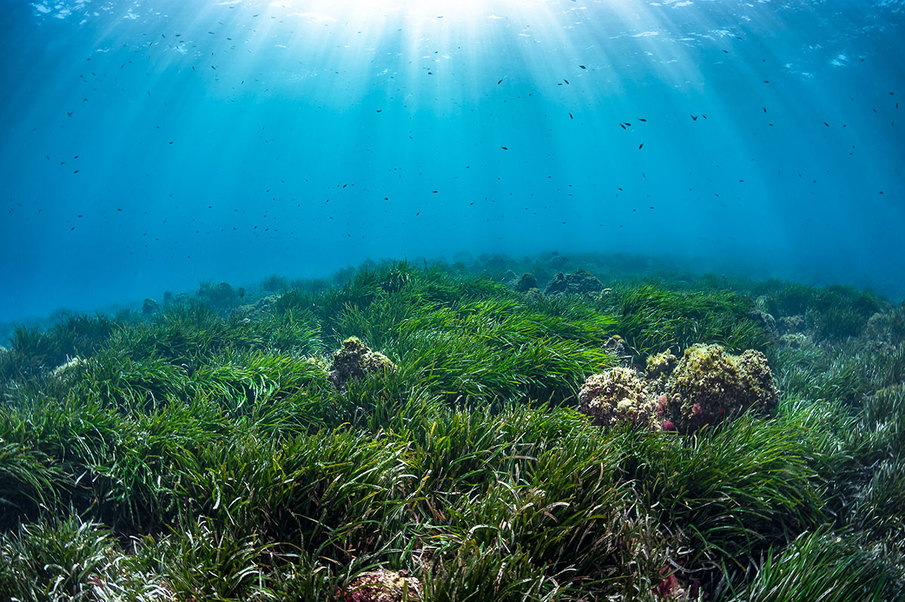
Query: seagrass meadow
[{"x": 197, "y": 447}]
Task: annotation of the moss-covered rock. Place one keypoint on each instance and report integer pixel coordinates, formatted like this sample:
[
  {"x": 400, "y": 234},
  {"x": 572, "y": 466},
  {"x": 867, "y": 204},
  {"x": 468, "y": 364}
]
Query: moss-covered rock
[
  {"x": 710, "y": 385},
  {"x": 354, "y": 360},
  {"x": 617, "y": 396},
  {"x": 661, "y": 365},
  {"x": 382, "y": 585},
  {"x": 577, "y": 283},
  {"x": 150, "y": 307},
  {"x": 706, "y": 386},
  {"x": 526, "y": 283}
]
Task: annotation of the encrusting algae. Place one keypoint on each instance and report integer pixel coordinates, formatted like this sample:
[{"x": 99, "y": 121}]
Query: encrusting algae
[
  {"x": 705, "y": 387},
  {"x": 354, "y": 360}
]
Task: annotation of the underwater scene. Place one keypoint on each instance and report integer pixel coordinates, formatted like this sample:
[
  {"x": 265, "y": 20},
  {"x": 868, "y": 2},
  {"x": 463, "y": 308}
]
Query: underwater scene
[{"x": 452, "y": 300}]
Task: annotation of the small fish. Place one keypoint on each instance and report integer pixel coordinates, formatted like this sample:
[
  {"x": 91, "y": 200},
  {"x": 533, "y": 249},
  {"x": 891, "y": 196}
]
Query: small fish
[
  {"x": 642, "y": 120},
  {"x": 622, "y": 125},
  {"x": 570, "y": 116},
  {"x": 499, "y": 82},
  {"x": 640, "y": 146},
  {"x": 582, "y": 67},
  {"x": 504, "y": 147},
  {"x": 567, "y": 81},
  {"x": 826, "y": 124}
]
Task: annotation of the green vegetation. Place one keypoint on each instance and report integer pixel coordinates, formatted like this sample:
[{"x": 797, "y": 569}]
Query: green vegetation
[{"x": 199, "y": 450}]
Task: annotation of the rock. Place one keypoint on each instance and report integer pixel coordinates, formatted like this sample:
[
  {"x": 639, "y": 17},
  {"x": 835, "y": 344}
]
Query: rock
[
  {"x": 150, "y": 307},
  {"x": 617, "y": 396},
  {"x": 766, "y": 320},
  {"x": 706, "y": 386},
  {"x": 526, "y": 283},
  {"x": 616, "y": 347},
  {"x": 790, "y": 325},
  {"x": 219, "y": 297},
  {"x": 75, "y": 362},
  {"x": 710, "y": 385},
  {"x": 661, "y": 366},
  {"x": 354, "y": 360},
  {"x": 578, "y": 282},
  {"x": 796, "y": 340},
  {"x": 258, "y": 309},
  {"x": 382, "y": 585}
]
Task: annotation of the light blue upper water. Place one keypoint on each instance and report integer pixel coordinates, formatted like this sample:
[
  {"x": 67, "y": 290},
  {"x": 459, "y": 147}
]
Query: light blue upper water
[{"x": 150, "y": 144}]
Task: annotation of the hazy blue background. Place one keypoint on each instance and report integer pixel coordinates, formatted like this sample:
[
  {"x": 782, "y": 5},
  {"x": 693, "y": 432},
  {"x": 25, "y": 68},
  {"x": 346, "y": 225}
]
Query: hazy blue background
[{"x": 147, "y": 145}]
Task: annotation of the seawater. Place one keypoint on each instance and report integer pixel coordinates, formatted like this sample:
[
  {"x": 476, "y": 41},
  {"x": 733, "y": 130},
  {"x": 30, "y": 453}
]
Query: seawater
[{"x": 152, "y": 144}]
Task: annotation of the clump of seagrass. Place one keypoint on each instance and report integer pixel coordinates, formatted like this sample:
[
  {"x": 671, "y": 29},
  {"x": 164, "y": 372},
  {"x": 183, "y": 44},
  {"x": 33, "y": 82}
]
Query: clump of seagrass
[
  {"x": 383, "y": 585},
  {"x": 705, "y": 387},
  {"x": 354, "y": 360}
]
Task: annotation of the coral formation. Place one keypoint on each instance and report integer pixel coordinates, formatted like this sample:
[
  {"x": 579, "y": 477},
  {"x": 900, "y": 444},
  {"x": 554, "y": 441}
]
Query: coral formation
[
  {"x": 578, "y": 282},
  {"x": 356, "y": 359},
  {"x": 706, "y": 386},
  {"x": 383, "y": 585}
]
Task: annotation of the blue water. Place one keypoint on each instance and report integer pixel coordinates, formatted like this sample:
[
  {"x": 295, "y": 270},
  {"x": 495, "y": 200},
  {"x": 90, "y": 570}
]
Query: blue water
[{"x": 152, "y": 144}]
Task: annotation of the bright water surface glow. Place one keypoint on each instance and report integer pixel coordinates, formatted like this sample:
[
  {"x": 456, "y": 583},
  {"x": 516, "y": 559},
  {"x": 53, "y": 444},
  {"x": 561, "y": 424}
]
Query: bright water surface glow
[{"x": 147, "y": 145}]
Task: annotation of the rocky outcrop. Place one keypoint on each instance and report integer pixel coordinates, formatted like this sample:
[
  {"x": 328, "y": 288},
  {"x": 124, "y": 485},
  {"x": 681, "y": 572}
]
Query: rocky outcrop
[
  {"x": 355, "y": 360},
  {"x": 705, "y": 387}
]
